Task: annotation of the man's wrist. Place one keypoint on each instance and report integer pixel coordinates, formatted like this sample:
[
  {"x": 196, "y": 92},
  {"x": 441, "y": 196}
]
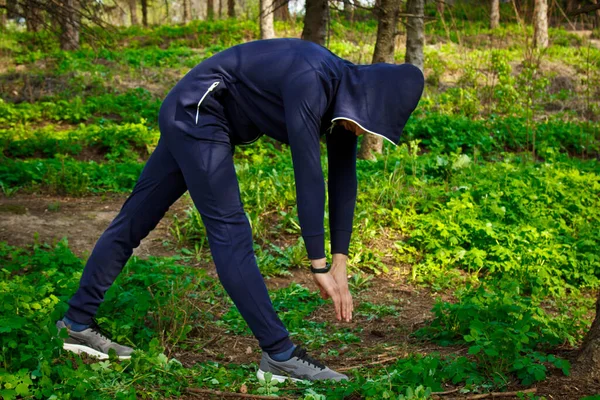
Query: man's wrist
[
  {"x": 323, "y": 270},
  {"x": 339, "y": 258},
  {"x": 319, "y": 263}
]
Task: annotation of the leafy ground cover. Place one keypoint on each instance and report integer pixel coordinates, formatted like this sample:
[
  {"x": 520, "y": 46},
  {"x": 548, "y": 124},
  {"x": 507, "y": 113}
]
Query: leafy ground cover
[{"x": 473, "y": 260}]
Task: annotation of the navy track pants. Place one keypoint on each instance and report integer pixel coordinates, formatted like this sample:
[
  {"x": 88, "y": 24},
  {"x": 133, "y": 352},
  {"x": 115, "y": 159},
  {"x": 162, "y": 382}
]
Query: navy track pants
[{"x": 182, "y": 162}]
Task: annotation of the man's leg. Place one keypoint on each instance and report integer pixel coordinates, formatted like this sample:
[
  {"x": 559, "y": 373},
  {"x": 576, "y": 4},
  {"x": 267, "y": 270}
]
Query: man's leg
[
  {"x": 158, "y": 187},
  {"x": 211, "y": 179}
]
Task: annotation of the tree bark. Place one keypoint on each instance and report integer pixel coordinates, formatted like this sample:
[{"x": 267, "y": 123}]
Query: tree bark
[
  {"x": 282, "y": 10},
  {"x": 348, "y": 10},
  {"x": 266, "y": 19},
  {"x": 210, "y": 10},
  {"x": 495, "y": 14},
  {"x": 145, "y": 12},
  {"x": 387, "y": 14},
  {"x": 231, "y": 8},
  {"x": 186, "y": 12},
  {"x": 133, "y": 12},
  {"x": 596, "y": 16},
  {"x": 540, "y": 24},
  {"x": 33, "y": 15},
  {"x": 11, "y": 9},
  {"x": 69, "y": 24},
  {"x": 415, "y": 33},
  {"x": 588, "y": 360},
  {"x": 3, "y": 14},
  {"x": 315, "y": 21}
]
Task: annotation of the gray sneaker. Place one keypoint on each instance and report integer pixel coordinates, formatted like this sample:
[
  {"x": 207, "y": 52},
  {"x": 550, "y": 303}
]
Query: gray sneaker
[
  {"x": 299, "y": 367},
  {"x": 92, "y": 341}
]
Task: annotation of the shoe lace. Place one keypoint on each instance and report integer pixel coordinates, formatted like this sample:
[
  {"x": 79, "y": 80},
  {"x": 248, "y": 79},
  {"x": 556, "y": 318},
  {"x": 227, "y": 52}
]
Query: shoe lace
[
  {"x": 301, "y": 353},
  {"x": 98, "y": 330}
]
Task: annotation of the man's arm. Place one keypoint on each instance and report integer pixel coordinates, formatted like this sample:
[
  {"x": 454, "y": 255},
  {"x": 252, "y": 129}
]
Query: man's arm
[
  {"x": 304, "y": 102},
  {"x": 342, "y": 187}
]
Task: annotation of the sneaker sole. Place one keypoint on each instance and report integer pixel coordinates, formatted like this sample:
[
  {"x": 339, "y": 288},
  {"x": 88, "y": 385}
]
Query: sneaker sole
[
  {"x": 260, "y": 374},
  {"x": 78, "y": 349}
]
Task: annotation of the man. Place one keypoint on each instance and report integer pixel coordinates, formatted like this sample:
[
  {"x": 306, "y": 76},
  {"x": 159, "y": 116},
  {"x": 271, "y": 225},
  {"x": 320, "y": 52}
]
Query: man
[{"x": 293, "y": 91}]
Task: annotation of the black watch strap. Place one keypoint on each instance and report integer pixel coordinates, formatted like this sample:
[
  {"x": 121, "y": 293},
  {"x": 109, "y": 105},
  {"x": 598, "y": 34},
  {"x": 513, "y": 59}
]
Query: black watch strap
[{"x": 320, "y": 270}]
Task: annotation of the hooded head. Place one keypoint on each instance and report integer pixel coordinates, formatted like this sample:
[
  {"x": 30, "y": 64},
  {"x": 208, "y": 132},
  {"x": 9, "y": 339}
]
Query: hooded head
[{"x": 379, "y": 97}]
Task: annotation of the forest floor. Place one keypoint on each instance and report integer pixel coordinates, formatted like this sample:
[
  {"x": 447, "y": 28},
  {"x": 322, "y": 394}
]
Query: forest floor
[{"x": 29, "y": 218}]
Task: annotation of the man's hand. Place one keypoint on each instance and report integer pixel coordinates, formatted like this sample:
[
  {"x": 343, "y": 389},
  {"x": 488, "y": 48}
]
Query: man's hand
[{"x": 334, "y": 284}]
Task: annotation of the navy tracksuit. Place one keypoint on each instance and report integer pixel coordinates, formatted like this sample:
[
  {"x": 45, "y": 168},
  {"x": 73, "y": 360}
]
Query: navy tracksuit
[{"x": 291, "y": 90}]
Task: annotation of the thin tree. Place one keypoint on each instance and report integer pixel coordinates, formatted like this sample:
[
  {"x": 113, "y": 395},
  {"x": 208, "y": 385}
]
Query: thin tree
[
  {"x": 210, "y": 9},
  {"x": 70, "y": 22},
  {"x": 266, "y": 19},
  {"x": 231, "y": 8},
  {"x": 282, "y": 10},
  {"x": 315, "y": 21},
  {"x": 415, "y": 32},
  {"x": 3, "y": 14},
  {"x": 387, "y": 14},
  {"x": 494, "y": 14},
  {"x": 348, "y": 10},
  {"x": 144, "y": 12},
  {"x": 540, "y": 24},
  {"x": 186, "y": 12},
  {"x": 133, "y": 12}
]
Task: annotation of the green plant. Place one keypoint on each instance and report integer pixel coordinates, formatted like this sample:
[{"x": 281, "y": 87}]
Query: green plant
[{"x": 268, "y": 386}]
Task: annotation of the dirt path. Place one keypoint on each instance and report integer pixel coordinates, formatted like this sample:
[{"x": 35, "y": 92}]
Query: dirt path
[{"x": 80, "y": 220}]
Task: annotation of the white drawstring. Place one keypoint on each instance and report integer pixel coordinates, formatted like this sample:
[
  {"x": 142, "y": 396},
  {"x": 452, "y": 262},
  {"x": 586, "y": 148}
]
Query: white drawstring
[{"x": 210, "y": 89}]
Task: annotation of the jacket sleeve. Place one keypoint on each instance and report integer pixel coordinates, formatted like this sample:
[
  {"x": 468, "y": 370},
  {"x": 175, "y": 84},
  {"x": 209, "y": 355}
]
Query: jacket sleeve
[
  {"x": 342, "y": 186},
  {"x": 305, "y": 101}
]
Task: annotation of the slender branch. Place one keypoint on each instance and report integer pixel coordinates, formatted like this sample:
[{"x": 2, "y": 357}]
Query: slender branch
[
  {"x": 585, "y": 9},
  {"x": 385, "y": 360}
]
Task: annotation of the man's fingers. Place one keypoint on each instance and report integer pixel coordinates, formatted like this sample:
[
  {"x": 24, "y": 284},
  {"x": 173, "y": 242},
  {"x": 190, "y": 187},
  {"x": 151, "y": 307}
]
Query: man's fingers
[
  {"x": 337, "y": 302},
  {"x": 347, "y": 311}
]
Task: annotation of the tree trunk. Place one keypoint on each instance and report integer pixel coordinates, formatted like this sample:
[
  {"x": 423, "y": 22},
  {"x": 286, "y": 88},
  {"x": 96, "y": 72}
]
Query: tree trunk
[
  {"x": 415, "y": 33},
  {"x": 33, "y": 15},
  {"x": 495, "y": 14},
  {"x": 387, "y": 13},
  {"x": 11, "y": 9},
  {"x": 266, "y": 19},
  {"x": 145, "y": 12},
  {"x": 596, "y": 16},
  {"x": 210, "y": 10},
  {"x": 133, "y": 12},
  {"x": 69, "y": 26},
  {"x": 588, "y": 360},
  {"x": 186, "y": 12},
  {"x": 315, "y": 21},
  {"x": 231, "y": 8},
  {"x": 540, "y": 24},
  {"x": 348, "y": 10},
  {"x": 282, "y": 10},
  {"x": 3, "y": 14},
  {"x": 220, "y": 8}
]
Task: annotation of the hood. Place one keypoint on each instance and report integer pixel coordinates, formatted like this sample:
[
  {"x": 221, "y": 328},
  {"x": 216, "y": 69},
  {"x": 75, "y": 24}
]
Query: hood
[{"x": 379, "y": 97}]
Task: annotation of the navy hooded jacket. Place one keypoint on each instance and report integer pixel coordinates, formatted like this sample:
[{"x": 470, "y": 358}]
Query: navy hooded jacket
[{"x": 292, "y": 90}]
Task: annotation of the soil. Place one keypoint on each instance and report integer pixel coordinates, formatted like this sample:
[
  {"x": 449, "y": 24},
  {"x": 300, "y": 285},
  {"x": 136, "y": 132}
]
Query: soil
[{"x": 82, "y": 221}]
